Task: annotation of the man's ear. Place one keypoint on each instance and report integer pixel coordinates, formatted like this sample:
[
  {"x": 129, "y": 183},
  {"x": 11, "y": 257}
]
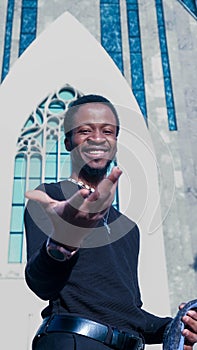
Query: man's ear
[{"x": 67, "y": 142}]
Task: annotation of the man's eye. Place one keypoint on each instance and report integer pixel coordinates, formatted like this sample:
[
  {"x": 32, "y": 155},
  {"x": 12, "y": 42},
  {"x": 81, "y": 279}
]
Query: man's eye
[
  {"x": 108, "y": 132},
  {"x": 84, "y": 131}
]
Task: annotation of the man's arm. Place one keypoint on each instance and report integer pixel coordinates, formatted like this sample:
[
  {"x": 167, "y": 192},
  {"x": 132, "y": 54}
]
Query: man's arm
[
  {"x": 44, "y": 275},
  {"x": 67, "y": 222}
]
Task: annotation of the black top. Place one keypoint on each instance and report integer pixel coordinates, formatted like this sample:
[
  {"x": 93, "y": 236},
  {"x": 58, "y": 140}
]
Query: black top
[{"x": 98, "y": 283}]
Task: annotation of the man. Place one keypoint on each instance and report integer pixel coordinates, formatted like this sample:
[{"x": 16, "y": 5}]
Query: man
[{"x": 83, "y": 253}]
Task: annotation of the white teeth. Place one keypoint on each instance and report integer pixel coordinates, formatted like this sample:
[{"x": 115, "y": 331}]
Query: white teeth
[{"x": 96, "y": 152}]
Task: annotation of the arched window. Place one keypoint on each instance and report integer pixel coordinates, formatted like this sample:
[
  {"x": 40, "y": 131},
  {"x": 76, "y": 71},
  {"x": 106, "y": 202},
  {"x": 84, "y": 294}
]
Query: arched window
[{"x": 41, "y": 157}]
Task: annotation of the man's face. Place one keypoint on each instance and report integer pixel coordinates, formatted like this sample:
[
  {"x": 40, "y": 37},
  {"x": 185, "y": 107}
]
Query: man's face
[{"x": 93, "y": 139}]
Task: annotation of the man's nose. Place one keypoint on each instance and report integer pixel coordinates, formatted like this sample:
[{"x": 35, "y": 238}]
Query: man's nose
[{"x": 97, "y": 136}]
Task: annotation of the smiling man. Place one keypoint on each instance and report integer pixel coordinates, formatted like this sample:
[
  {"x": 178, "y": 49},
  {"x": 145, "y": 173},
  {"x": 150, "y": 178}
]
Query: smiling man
[
  {"x": 87, "y": 267},
  {"x": 92, "y": 139}
]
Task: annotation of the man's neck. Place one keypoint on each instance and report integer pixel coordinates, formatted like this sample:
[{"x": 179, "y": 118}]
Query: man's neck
[{"x": 91, "y": 181}]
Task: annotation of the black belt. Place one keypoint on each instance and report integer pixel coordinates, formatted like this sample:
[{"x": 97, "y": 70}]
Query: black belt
[{"x": 106, "y": 334}]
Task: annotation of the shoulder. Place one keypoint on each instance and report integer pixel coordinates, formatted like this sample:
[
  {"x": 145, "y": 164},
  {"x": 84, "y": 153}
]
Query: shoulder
[{"x": 58, "y": 190}]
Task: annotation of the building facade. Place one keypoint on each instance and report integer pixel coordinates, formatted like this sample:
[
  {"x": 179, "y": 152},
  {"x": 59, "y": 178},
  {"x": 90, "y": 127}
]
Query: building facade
[{"x": 153, "y": 44}]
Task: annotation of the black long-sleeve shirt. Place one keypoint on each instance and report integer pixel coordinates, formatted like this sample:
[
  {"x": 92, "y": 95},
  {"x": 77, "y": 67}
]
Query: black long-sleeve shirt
[{"x": 100, "y": 282}]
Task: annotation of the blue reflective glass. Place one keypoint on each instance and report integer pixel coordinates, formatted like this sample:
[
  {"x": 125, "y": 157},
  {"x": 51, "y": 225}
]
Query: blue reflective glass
[
  {"x": 20, "y": 166},
  {"x": 33, "y": 183},
  {"x": 17, "y": 219},
  {"x": 51, "y": 166},
  {"x": 66, "y": 95},
  {"x": 39, "y": 117},
  {"x": 62, "y": 145},
  {"x": 35, "y": 167},
  {"x": 56, "y": 107},
  {"x": 39, "y": 138},
  {"x": 18, "y": 191},
  {"x": 65, "y": 168},
  {"x": 15, "y": 248},
  {"x": 51, "y": 145},
  {"x": 29, "y": 122}
]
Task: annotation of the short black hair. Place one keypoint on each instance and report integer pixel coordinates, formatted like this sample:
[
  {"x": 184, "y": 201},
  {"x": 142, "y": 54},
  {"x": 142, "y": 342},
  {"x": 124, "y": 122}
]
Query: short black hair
[{"x": 74, "y": 106}]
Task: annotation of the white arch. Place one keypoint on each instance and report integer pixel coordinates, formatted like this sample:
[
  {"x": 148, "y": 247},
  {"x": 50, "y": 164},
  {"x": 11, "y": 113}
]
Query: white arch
[{"x": 67, "y": 53}]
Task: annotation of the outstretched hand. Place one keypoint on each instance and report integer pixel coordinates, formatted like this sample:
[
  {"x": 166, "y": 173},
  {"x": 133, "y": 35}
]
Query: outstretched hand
[
  {"x": 74, "y": 218},
  {"x": 190, "y": 330}
]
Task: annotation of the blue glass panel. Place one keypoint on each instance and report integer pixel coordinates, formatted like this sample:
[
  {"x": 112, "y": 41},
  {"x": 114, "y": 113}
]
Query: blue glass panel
[
  {"x": 109, "y": 2},
  {"x": 172, "y": 119},
  {"x": 65, "y": 166},
  {"x": 66, "y": 95},
  {"x": 62, "y": 145},
  {"x": 39, "y": 138},
  {"x": 7, "y": 39},
  {"x": 6, "y": 63},
  {"x": 54, "y": 122},
  {"x": 28, "y": 24},
  {"x": 29, "y": 3},
  {"x": 111, "y": 35},
  {"x": 10, "y": 10},
  {"x": 28, "y": 20},
  {"x": 51, "y": 145},
  {"x": 35, "y": 169},
  {"x": 131, "y": 7},
  {"x": 33, "y": 183},
  {"x": 135, "y": 44},
  {"x": 160, "y": 17},
  {"x": 15, "y": 248},
  {"x": 111, "y": 31},
  {"x": 17, "y": 219},
  {"x": 133, "y": 23},
  {"x": 25, "y": 41},
  {"x": 18, "y": 191},
  {"x": 51, "y": 166},
  {"x": 39, "y": 117},
  {"x": 162, "y": 39},
  {"x": 20, "y": 166},
  {"x": 168, "y": 91},
  {"x": 57, "y": 107},
  {"x": 29, "y": 122},
  {"x": 165, "y": 65},
  {"x": 137, "y": 72}
]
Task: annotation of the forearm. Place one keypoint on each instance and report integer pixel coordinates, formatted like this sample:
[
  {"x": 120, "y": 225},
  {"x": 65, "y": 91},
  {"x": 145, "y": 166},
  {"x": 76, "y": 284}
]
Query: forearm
[
  {"x": 45, "y": 276},
  {"x": 155, "y": 330}
]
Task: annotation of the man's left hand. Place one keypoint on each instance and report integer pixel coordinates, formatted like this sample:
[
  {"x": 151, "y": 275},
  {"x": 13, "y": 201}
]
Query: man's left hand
[{"x": 190, "y": 330}]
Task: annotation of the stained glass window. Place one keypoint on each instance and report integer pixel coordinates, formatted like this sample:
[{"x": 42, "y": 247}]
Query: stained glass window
[{"x": 41, "y": 157}]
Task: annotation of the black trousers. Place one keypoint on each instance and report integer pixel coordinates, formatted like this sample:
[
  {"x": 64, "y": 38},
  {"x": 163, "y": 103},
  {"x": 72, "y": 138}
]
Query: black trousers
[{"x": 66, "y": 341}]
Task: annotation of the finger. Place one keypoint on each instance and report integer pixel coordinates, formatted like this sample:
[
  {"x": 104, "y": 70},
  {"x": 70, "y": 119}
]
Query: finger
[
  {"x": 188, "y": 347},
  {"x": 115, "y": 174},
  {"x": 112, "y": 179},
  {"x": 106, "y": 185},
  {"x": 40, "y": 196},
  {"x": 181, "y": 306},
  {"x": 193, "y": 314},
  {"x": 102, "y": 198},
  {"x": 190, "y": 323},
  {"x": 190, "y": 337},
  {"x": 78, "y": 199}
]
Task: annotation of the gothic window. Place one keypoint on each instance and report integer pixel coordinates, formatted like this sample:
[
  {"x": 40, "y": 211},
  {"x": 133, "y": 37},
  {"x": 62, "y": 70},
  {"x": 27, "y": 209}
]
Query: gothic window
[{"x": 41, "y": 157}]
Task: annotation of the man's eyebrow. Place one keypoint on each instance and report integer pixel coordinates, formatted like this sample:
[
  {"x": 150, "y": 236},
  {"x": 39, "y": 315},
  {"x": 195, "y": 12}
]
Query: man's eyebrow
[{"x": 90, "y": 124}]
